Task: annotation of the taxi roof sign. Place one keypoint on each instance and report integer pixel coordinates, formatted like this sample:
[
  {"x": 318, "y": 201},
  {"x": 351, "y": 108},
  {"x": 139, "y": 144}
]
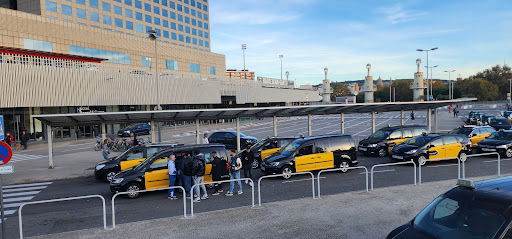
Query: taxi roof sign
[{"x": 465, "y": 183}]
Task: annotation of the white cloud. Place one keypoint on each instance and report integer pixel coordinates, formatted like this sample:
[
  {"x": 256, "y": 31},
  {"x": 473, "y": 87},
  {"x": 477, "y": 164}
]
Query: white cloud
[{"x": 397, "y": 14}]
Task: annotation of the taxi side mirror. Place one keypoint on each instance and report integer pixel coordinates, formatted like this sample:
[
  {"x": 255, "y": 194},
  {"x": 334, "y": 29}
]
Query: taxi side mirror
[
  {"x": 430, "y": 146},
  {"x": 473, "y": 135}
]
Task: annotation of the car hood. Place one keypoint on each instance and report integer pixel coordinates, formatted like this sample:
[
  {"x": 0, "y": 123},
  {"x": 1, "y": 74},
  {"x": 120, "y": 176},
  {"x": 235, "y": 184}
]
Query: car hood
[
  {"x": 276, "y": 158},
  {"x": 402, "y": 148},
  {"x": 368, "y": 141},
  {"x": 494, "y": 142},
  {"x": 407, "y": 231}
]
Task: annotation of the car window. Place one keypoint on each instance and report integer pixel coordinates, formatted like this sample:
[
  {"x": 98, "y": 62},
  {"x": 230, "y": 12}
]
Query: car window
[
  {"x": 396, "y": 135},
  {"x": 136, "y": 154},
  {"x": 450, "y": 140},
  {"x": 476, "y": 131},
  {"x": 437, "y": 142},
  {"x": 207, "y": 157},
  {"x": 285, "y": 142},
  {"x": 419, "y": 131},
  {"x": 490, "y": 130},
  {"x": 345, "y": 143},
  {"x": 322, "y": 146},
  {"x": 306, "y": 150},
  {"x": 150, "y": 151},
  {"x": 407, "y": 133},
  {"x": 159, "y": 164},
  {"x": 445, "y": 208},
  {"x": 230, "y": 136}
]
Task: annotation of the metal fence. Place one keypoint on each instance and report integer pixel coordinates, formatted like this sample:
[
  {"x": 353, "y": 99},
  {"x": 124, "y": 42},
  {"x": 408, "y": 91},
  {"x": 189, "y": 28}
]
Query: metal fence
[
  {"x": 143, "y": 191},
  {"x": 60, "y": 200},
  {"x": 341, "y": 169},
  {"x": 392, "y": 164},
  {"x": 282, "y": 175}
]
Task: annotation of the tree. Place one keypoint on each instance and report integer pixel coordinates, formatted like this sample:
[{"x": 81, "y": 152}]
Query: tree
[
  {"x": 402, "y": 90},
  {"x": 340, "y": 90},
  {"x": 477, "y": 87}
]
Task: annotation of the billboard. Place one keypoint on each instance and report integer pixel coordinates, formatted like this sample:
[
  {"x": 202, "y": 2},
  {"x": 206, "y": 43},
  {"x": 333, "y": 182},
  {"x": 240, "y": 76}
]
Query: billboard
[{"x": 2, "y": 136}]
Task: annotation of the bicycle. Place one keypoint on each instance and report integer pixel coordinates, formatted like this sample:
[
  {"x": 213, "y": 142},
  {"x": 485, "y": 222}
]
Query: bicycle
[{"x": 97, "y": 147}]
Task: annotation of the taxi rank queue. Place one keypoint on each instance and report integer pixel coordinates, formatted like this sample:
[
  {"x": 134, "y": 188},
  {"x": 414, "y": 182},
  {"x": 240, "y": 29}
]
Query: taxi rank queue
[{"x": 147, "y": 166}]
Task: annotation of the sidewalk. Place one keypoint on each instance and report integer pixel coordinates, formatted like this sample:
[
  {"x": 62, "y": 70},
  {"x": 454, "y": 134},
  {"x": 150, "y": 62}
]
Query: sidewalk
[{"x": 351, "y": 215}]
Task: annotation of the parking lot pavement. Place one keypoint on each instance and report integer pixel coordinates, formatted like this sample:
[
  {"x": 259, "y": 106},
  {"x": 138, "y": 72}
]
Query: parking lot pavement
[{"x": 346, "y": 215}]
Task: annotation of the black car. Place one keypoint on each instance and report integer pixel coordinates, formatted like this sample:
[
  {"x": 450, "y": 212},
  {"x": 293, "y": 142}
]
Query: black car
[
  {"x": 228, "y": 138},
  {"x": 135, "y": 129},
  {"x": 500, "y": 123},
  {"x": 470, "y": 210},
  {"x": 106, "y": 169},
  {"x": 485, "y": 119},
  {"x": 470, "y": 116},
  {"x": 499, "y": 141},
  {"x": 268, "y": 146},
  {"x": 383, "y": 139}
]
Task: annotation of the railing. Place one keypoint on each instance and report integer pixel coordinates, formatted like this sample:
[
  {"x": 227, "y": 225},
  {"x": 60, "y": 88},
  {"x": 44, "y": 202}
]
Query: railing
[
  {"x": 392, "y": 164},
  {"x": 282, "y": 175},
  {"x": 223, "y": 181},
  {"x": 341, "y": 169},
  {"x": 143, "y": 191},
  {"x": 60, "y": 200}
]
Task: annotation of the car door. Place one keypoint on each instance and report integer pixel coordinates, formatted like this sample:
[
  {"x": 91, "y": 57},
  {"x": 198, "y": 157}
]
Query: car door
[
  {"x": 269, "y": 149},
  {"x": 304, "y": 158},
  {"x": 324, "y": 157},
  {"x": 207, "y": 152},
  {"x": 478, "y": 135},
  {"x": 133, "y": 159},
  {"x": 394, "y": 139},
  {"x": 452, "y": 147},
  {"x": 230, "y": 140},
  {"x": 436, "y": 149},
  {"x": 157, "y": 175}
]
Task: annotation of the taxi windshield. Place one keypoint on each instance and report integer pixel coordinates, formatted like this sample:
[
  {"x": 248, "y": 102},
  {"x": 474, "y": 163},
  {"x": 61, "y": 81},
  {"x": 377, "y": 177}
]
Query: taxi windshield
[
  {"x": 501, "y": 135},
  {"x": 460, "y": 216},
  {"x": 143, "y": 163},
  {"x": 462, "y": 130},
  {"x": 418, "y": 141},
  {"x": 380, "y": 134},
  {"x": 122, "y": 154},
  {"x": 259, "y": 145},
  {"x": 290, "y": 148}
]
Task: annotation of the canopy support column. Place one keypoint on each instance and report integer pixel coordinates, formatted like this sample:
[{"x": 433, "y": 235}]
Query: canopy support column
[
  {"x": 402, "y": 118},
  {"x": 198, "y": 139},
  {"x": 429, "y": 120},
  {"x": 103, "y": 132},
  {"x": 373, "y": 122},
  {"x": 310, "y": 129},
  {"x": 153, "y": 132},
  {"x": 237, "y": 134},
  {"x": 435, "y": 120},
  {"x": 50, "y": 145},
  {"x": 275, "y": 126},
  {"x": 342, "y": 123}
]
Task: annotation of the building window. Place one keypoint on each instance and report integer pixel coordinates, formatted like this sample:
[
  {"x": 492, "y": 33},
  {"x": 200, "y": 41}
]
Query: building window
[
  {"x": 81, "y": 2},
  {"x": 128, "y": 13},
  {"x": 172, "y": 15},
  {"x": 166, "y": 34},
  {"x": 51, "y": 6},
  {"x": 139, "y": 27},
  {"x": 200, "y": 42},
  {"x": 187, "y": 20},
  {"x": 146, "y": 61},
  {"x": 213, "y": 70},
  {"x": 129, "y": 25},
  {"x": 81, "y": 13},
  {"x": 112, "y": 56},
  {"x": 148, "y": 28},
  {"x": 118, "y": 10},
  {"x": 180, "y": 37},
  {"x": 187, "y": 30},
  {"x": 95, "y": 17},
  {"x": 200, "y": 33},
  {"x": 180, "y": 8},
  {"x": 171, "y": 5},
  {"x": 194, "y": 22},
  {"x": 147, "y": 7},
  {"x": 173, "y": 25},
  {"x": 206, "y": 35},
  {"x": 187, "y": 39},
  {"x": 164, "y": 3},
  {"x": 165, "y": 23},
  {"x": 194, "y": 41},
  {"x": 200, "y": 24},
  {"x": 193, "y": 12},
  {"x": 164, "y": 13},
  {"x": 180, "y": 17},
  {"x": 206, "y": 44},
  {"x": 147, "y": 18},
  {"x": 156, "y": 1},
  {"x": 157, "y": 21},
  {"x": 128, "y": 2},
  {"x": 138, "y": 4},
  {"x": 156, "y": 10},
  {"x": 205, "y": 17},
  {"x": 180, "y": 27},
  {"x": 171, "y": 65},
  {"x": 199, "y": 5},
  {"x": 107, "y": 20},
  {"x": 205, "y": 8},
  {"x": 206, "y": 26},
  {"x": 93, "y": 3},
  {"x": 37, "y": 45},
  {"x": 118, "y": 22},
  {"x": 199, "y": 15},
  {"x": 195, "y": 68},
  {"x": 138, "y": 16},
  {"x": 67, "y": 10},
  {"x": 173, "y": 36},
  {"x": 105, "y": 6},
  {"x": 187, "y": 10}
]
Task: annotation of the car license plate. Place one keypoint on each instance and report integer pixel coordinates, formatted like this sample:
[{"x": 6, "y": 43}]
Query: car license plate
[
  {"x": 486, "y": 149},
  {"x": 397, "y": 157},
  {"x": 362, "y": 149}
]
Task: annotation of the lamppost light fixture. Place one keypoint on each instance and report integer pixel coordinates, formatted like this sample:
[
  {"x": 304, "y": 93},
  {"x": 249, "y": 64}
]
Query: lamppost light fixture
[
  {"x": 326, "y": 70},
  {"x": 244, "y": 46},
  {"x": 435, "y": 48},
  {"x": 368, "y": 66},
  {"x": 287, "y": 73}
]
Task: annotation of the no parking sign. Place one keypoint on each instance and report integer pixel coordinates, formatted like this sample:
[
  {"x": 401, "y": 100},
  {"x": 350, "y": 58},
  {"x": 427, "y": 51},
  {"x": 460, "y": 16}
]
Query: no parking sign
[{"x": 5, "y": 153}]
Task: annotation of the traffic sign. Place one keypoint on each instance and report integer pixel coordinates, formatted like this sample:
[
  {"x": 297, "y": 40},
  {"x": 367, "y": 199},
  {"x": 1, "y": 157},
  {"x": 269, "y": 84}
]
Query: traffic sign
[
  {"x": 2, "y": 136},
  {"x": 5, "y": 153},
  {"x": 6, "y": 169}
]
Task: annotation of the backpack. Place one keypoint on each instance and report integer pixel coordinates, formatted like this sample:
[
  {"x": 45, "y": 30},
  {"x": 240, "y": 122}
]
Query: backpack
[
  {"x": 233, "y": 165},
  {"x": 199, "y": 167},
  {"x": 188, "y": 166}
]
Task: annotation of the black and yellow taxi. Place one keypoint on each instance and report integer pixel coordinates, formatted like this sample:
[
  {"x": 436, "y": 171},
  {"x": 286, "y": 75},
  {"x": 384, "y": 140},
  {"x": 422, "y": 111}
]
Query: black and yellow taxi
[
  {"x": 313, "y": 153},
  {"x": 153, "y": 172},
  {"x": 384, "y": 139},
  {"x": 469, "y": 210},
  {"x": 475, "y": 133},
  {"x": 106, "y": 169},
  {"x": 268, "y": 146},
  {"x": 499, "y": 141},
  {"x": 431, "y": 147}
]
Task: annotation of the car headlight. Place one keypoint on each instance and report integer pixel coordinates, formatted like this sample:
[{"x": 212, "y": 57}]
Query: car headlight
[
  {"x": 275, "y": 164},
  {"x": 127, "y": 131},
  {"x": 117, "y": 180},
  {"x": 411, "y": 151},
  {"x": 99, "y": 167},
  {"x": 372, "y": 145},
  {"x": 501, "y": 146}
]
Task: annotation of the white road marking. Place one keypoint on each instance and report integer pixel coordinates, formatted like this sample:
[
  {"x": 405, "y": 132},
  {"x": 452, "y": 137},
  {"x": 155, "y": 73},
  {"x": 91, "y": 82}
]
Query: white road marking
[
  {"x": 21, "y": 194},
  {"x": 26, "y": 185},
  {"x": 68, "y": 150},
  {"x": 23, "y": 189},
  {"x": 495, "y": 160},
  {"x": 18, "y": 199}
]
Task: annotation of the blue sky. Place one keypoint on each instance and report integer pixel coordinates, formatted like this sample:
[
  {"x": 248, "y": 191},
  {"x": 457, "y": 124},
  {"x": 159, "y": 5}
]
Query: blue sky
[{"x": 344, "y": 36}]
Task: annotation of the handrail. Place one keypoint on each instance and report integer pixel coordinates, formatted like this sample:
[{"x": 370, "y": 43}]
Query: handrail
[
  {"x": 340, "y": 169},
  {"x": 60, "y": 200},
  {"x": 143, "y": 191},
  {"x": 282, "y": 175},
  {"x": 392, "y": 164},
  {"x": 223, "y": 181}
]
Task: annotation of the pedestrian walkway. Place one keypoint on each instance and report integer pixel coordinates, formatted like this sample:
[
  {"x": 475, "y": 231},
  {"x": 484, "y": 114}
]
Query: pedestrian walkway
[
  {"x": 25, "y": 157},
  {"x": 16, "y": 195}
]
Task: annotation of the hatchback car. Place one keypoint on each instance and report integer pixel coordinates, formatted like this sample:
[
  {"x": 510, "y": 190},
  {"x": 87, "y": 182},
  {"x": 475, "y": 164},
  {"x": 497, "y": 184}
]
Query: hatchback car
[
  {"x": 228, "y": 138},
  {"x": 469, "y": 210},
  {"x": 135, "y": 129},
  {"x": 500, "y": 141}
]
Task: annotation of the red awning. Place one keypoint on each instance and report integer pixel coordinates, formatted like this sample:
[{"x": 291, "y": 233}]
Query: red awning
[{"x": 26, "y": 52}]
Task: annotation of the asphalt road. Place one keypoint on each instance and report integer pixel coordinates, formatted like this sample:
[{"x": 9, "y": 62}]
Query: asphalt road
[{"x": 81, "y": 214}]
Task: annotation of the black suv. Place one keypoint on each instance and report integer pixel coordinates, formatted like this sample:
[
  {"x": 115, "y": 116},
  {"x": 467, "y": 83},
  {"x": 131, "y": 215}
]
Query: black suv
[
  {"x": 500, "y": 123},
  {"x": 384, "y": 139},
  {"x": 267, "y": 147},
  {"x": 228, "y": 138},
  {"x": 470, "y": 210},
  {"x": 135, "y": 129}
]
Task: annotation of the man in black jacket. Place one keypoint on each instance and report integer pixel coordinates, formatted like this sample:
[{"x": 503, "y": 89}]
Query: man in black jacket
[
  {"x": 24, "y": 139},
  {"x": 247, "y": 160},
  {"x": 199, "y": 165},
  {"x": 218, "y": 166}
]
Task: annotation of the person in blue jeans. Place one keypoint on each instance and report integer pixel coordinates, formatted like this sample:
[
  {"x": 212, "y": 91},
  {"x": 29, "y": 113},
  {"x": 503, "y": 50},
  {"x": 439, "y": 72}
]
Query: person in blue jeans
[
  {"x": 185, "y": 181},
  {"x": 235, "y": 164},
  {"x": 172, "y": 176}
]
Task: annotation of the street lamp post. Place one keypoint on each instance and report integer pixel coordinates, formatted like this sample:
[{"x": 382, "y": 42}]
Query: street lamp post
[
  {"x": 509, "y": 100},
  {"x": 450, "y": 87},
  {"x": 433, "y": 49},
  {"x": 153, "y": 36},
  {"x": 281, "y": 57},
  {"x": 244, "y": 46},
  {"x": 431, "y": 80},
  {"x": 325, "y": 71}
]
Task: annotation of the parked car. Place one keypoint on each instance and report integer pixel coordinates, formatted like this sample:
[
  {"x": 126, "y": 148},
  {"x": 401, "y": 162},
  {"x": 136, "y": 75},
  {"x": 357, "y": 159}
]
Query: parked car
[
  {"x": 484, "y": 119},
  {"x": 500, "y": 123},
  {"x": 431, "y": 146},
  {"x": 313, "y": 153},
  {"x": 500, "y": 141},
  {"x": 228, "y": 138},
  {"x": 135, "y": 129},
  {"x": 470, "y": 116},
  {"x": 475, "y": 133},
  {"x": 384, "y": 139},
  {"x": 268, "y": 146},
  {"x": 106, "y": 169},
  {"x": 475, "y": 118},
  {"x": 469, "y": 210},
  {"x": 153, "y": 172}
]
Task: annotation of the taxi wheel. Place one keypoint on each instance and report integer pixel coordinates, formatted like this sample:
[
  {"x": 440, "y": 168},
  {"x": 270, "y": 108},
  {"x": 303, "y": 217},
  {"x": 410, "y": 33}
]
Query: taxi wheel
[
  {"x": 255, "y": 164},
  {"x": 109, "y": 175},
  {"x": 422, "y": 160},
  {"x": 508, "y": 153},
  {"x": 344, "y": 165},
  {"x": 382, "y": 152},
  {"x": 287, "y": 172},
  {"x": 133, "y": 188}
]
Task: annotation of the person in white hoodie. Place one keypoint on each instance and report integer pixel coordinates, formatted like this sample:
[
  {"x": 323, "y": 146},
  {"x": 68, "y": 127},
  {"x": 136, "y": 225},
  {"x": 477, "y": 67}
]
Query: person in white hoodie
[
  {"x": 204, "y": 140},
  {"x": 172, "y": 176}
]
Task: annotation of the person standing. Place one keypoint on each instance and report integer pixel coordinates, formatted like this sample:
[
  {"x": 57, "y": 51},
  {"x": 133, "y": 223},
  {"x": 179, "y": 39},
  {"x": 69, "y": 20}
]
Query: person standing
[
  {"x": 24, "y": 139},
  {"x": 104, "y": 149},
  {"x": 135, "y": 140},
  {"x": 8, "y": 139},
  {"x": 172, "y": 176},
  {"x": 412, "y": 115},
  {"x": 200, "y": 167},
  {"x": 217, "y": 170},
  {"x": 205, "y": 140},
  {"x": 235, "y": 164},
  {"x": 247, "y": 160},
  {"x": 186, "y": 171}
]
